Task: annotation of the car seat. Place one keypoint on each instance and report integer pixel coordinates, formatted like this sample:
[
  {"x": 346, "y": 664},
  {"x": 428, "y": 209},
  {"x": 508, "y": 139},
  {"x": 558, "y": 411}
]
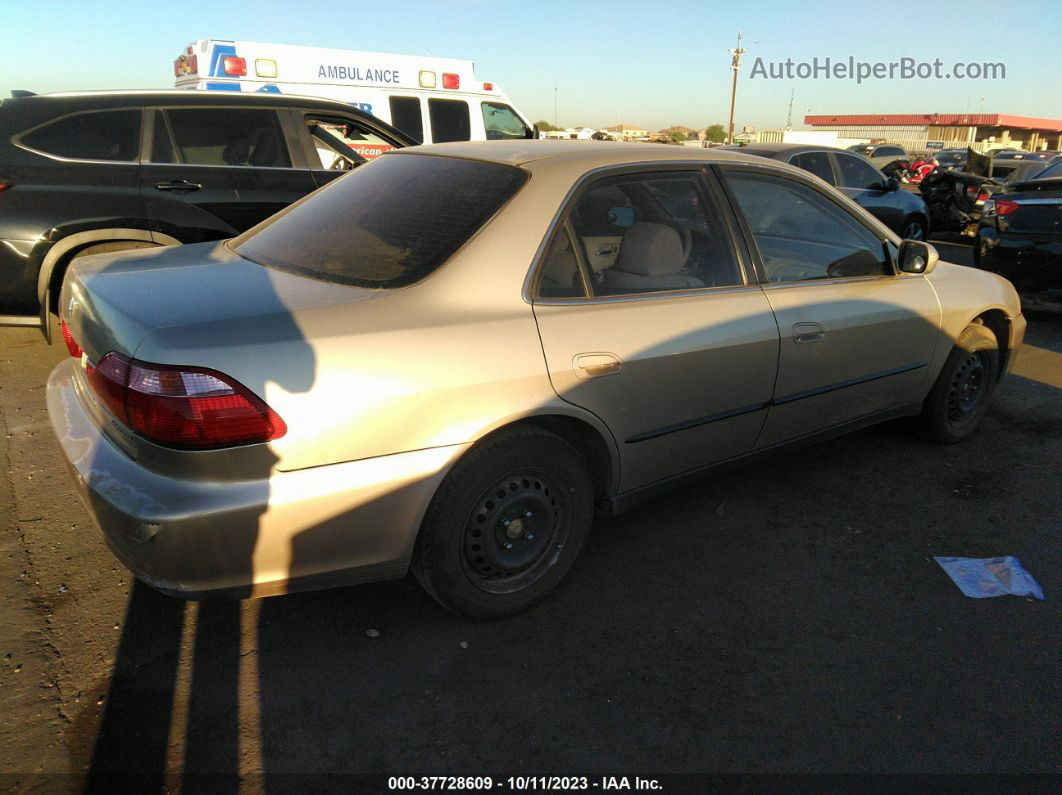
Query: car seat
[{"x": 650, "y": 258}]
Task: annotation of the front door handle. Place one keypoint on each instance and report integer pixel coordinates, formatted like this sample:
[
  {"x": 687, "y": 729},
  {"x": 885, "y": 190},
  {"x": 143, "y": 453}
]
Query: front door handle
[
  {"x": 179, "y": 184},
  {"x": 808, "y": 332},
  {"x": 594, "y": 365}
]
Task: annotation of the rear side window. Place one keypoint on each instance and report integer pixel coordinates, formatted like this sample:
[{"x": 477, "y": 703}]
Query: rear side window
[
  {"x": 388, "y": 224},
  {"x": 449, "y": 120},
  {"x": 228, "y": 137},
  {"x": 406, "y": 116},
  {"x": 98, "y": 135},
  {"x": 818, "y": 163}
]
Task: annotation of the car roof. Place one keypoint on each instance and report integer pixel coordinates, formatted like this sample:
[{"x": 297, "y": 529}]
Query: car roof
[
  {"x": 600, "y": 153},
  {"x": 174, "y": 96}
]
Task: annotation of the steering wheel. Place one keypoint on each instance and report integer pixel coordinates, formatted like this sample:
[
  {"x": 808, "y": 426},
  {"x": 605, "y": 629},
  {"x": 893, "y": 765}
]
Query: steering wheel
[{"x": 340, "y": 163}]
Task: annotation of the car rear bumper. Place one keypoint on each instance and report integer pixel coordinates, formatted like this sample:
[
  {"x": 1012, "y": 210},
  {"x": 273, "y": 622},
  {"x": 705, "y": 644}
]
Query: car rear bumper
[{"x": 339, "y": 524}]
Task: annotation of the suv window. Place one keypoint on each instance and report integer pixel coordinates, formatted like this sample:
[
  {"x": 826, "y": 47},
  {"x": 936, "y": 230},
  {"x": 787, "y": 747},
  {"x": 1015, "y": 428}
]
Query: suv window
[
  {"x": 818, "y": 163},
  {"x": 387, "y": 224},
  {"x": 889, "y": 151},
  {"x": 501, "y": 123},
  {"x": 95, "y": 135},
  {"x": 803, "y": 235},
  {"x": 228, "y": 136},
  {"x": 646, "y": 233},
  {"x": 332, "y": 135},
  {"x": 857, "y": 173},
  {"x": 406, "y": 116},
  {"x": 449, "y": 120}
]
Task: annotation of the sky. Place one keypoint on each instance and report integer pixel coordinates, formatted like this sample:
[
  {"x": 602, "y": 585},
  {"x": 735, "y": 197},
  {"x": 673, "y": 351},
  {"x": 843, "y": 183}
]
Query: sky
[{"x": 651, "y": 64}]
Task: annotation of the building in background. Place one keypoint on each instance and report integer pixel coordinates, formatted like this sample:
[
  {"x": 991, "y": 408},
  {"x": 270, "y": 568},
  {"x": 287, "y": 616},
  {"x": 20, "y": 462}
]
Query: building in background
[
  {"x": 921, "y": 132},
  {"x": 627, "y": 132}
]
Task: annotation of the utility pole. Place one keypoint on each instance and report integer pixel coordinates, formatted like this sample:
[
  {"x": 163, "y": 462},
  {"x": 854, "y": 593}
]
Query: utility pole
[
  {"x": 789, "y": 116},
  {"x": 735, "y": 65},
  {"x": 554, "y": 106}
]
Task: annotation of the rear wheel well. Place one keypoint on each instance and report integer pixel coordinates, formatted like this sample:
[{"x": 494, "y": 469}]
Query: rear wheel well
[
  {"x": 587, "y": 441},
  {"x": 58, "y": 272},
  {"x": 998, "y": 323}
]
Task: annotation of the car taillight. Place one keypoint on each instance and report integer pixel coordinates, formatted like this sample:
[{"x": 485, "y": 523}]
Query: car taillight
[
  {"x": 1001, "y": 207},
  {"x": 68, "y": 338},
  {"x": 5, "y": 185},
  {"x": 186, "y": 407},
  {"x": 451, "y": 80},
  {"x": 233, "y": 66}
]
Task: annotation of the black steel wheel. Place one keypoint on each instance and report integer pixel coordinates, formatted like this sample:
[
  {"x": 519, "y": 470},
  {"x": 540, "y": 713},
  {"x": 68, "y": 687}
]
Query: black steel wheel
[
  {"x": 960, "y": 396},
  {"x": 505, "y": 525}
]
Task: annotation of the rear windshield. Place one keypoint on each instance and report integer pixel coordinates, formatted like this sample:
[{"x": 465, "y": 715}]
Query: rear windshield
[{"x": 387, "y": 224}]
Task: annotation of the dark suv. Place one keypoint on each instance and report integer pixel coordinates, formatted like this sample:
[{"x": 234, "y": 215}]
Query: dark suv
[{"x": 86, "y": 173}]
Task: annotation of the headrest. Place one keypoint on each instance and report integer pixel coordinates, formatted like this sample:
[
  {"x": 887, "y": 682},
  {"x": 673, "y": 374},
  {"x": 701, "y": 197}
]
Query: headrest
[{"x": 650, "y": 249}]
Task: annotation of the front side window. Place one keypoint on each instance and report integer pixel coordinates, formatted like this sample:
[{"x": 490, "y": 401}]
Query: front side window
[
  {"x": 334, "y": 138},
  {"x": 856, "y": 173},
  {"x": 228, "y": 137},
  {"x": 646, "y": 233},
  {"x": 802, "y": 235},
  {"x": 449, "y": 120},
  {"x": 387, "y": 224},
  {"x": 98, "y": 135},
  {"x": 502, "y": 124},
  {"x": 818, "y": 163},
  {"x": 406, "y": 116}
]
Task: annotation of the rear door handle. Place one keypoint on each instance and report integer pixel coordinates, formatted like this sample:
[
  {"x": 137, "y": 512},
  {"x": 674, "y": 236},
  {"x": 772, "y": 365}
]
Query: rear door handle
[
  {"x": 808, "y": 332},
  {"x": 179, "y": 184},
  {"x": 594, "y": 365}
]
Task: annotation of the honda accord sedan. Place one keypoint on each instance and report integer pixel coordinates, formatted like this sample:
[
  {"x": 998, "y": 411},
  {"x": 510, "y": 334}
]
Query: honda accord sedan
[{"x": 453, "y": 358}]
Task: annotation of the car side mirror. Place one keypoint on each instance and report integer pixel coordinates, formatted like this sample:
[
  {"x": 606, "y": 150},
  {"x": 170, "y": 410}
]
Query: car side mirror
[
  {"x": 917, "y": 256},
  {"x": 535, "y": 133},
  {"x": 892, "y": 184}
]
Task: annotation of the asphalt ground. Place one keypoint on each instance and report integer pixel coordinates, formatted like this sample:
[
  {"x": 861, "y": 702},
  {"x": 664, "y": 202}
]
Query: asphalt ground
[{"x": 783, "y": 618}]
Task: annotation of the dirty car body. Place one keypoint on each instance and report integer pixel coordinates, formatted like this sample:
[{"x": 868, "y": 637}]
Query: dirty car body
[{"x": 449, "y": 358}]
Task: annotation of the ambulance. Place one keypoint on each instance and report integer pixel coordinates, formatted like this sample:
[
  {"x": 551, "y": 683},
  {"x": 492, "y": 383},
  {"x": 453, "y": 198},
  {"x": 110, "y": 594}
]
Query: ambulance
[{"x": 433, "y": 100}]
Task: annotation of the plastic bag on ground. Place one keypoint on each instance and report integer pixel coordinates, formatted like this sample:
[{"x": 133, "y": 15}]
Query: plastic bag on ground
[{"x": 981, "y": 578}]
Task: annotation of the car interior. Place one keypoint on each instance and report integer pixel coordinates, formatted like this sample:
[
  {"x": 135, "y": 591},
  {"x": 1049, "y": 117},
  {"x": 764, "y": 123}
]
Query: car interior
[{"x": 638, "y": 235}]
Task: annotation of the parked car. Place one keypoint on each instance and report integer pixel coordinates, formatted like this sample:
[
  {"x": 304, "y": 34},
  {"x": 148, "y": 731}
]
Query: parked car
[
  {"x": 90, "y": 172},
  {"x": 880, "y": 155},
  {"x": 1022, "y": 155},
  {"x": 447, "y": 359},
  {"x": 1020, "y": 237},
  {"x": 903, "y": 212},
  {"x": 950, "y": 159},
  {"x": 955, "y": 197}
]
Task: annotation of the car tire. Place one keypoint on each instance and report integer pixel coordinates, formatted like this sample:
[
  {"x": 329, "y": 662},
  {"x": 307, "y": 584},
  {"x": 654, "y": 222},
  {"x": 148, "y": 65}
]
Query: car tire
[
  {"x": 913, "y": 228},
  {"x": 506, "y": 525},
  {"x": 960, "y": 396}
]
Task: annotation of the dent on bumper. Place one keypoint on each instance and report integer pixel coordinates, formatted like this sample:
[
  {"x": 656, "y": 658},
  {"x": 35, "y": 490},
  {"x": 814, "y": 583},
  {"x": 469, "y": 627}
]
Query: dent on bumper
[{"x": 337, "y": 524}]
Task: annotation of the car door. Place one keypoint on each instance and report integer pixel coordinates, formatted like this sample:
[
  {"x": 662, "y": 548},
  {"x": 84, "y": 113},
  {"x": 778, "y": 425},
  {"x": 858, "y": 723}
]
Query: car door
[
  {"x": 856, "y": 336},
  {"x": 216, "y": 171},
  {"x": 668, "y": 341},
  {"x": 869, "y": 188}
]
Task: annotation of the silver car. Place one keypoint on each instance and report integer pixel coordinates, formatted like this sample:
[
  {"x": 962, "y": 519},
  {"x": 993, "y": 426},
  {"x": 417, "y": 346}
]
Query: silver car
[{"x": 450, "y": 359}]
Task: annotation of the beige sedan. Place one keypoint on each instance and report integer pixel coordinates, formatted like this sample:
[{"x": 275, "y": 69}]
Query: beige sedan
[{"x": 450, "y": 359}]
